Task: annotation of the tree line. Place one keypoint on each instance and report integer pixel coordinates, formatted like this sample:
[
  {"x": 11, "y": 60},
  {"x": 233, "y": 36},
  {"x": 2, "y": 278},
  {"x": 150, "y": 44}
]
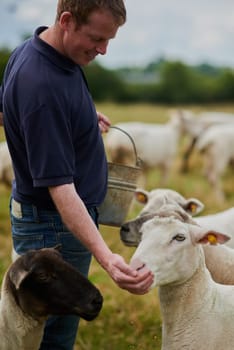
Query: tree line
[{"x": 162, "y": 81}]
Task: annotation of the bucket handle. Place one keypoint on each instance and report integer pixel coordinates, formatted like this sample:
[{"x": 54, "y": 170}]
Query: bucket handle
[{"x": 138, "y": 160}]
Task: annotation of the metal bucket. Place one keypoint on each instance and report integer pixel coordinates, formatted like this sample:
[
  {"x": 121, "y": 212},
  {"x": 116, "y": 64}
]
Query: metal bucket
[{"x": 122, "y": 183}]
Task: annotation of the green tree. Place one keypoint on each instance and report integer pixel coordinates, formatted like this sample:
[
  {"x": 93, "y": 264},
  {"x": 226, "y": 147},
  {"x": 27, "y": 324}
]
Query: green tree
[
  {"x": 177, "y": 83},
  {"x": 104, "y": 84},
  {"x": 225, "y": 86}
]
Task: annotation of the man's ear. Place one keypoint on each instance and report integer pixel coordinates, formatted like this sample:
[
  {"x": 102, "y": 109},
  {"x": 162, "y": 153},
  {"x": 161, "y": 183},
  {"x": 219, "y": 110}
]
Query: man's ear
[{"x": 65, "y": 20}]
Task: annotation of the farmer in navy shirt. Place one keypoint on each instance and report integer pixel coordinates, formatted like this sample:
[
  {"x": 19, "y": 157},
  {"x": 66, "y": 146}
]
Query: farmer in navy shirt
[{"x": 54, "y": 136}]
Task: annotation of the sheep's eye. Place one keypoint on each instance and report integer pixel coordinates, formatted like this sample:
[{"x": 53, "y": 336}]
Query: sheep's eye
[
  {"x": 43, "y": 277},
  {"x": 179, "y": 237}
]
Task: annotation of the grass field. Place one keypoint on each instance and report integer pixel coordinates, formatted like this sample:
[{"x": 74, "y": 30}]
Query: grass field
[{"x": 129, "y": 322}]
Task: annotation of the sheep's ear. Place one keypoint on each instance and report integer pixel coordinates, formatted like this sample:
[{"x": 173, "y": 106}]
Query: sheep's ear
[
  {"x": 193, "y": 206},
  {"x": 17, "y": 276},
  {"x": 211, "y": 237},
  {"x": 141, "y": 196}
]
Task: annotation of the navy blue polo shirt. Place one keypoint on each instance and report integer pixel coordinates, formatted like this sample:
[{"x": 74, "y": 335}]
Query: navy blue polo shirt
[{"x": 51, "y": 126}]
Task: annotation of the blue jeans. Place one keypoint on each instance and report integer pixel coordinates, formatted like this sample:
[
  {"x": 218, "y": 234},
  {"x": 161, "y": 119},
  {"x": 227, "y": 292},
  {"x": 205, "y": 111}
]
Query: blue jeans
[{"x": 34, "y": 228}]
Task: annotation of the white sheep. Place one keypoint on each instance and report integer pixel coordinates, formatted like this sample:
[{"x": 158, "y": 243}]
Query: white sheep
[
  {"x": 38, "y": 284},
  {"x": 156, "y": 145},
  {"x": 195, "y": 124},
  {"x": 6, "y": 169},
  {"x": 219, "y": 259},
  {"x": 197, "y": 312},
  {"x": 216, "y": 145},
  {"x": 154, "y": 199}
]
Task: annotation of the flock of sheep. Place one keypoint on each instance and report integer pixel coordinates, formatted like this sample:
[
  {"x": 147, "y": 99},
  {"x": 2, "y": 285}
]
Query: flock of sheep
[
  {"x": 211, "y": 134},
  {"x": 192, "y": 258}
]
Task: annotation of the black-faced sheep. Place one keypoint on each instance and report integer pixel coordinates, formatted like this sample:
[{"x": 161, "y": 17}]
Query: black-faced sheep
[{"x": 38, "y": 284}]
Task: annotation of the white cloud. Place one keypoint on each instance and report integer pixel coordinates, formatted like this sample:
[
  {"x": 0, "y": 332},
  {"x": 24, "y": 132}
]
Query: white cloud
[
  {"x": 36, "y": 11},
  {"x": 189, "y": 30}
]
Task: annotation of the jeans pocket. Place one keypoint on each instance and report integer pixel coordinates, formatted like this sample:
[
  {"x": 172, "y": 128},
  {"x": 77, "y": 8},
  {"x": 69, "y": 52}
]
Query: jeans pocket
[
  {"x": 24, "y": 242},
  {"x": 27, "y": 234}
]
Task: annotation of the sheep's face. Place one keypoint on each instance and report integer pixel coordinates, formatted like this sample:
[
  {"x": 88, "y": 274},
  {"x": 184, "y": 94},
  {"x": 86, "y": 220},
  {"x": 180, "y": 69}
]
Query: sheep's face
[
  {"x": 171, "y": 248},
  {"x": 167, "y": 249},
  {"x": 131, "y": 232},
  {"x": 157, "y": 202},
  {"x": 45, "y": 284}
]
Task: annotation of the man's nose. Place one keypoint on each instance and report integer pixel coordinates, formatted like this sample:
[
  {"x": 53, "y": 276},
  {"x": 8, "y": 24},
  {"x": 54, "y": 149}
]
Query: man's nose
[{"x": 102, "y": 48}]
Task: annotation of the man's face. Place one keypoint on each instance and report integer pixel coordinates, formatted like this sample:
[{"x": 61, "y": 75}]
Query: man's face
[{"x": 84, "y": 43}]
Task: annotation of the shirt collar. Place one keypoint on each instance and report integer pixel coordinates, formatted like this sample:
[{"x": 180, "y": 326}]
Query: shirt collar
[{"x": 51, "y": 53}]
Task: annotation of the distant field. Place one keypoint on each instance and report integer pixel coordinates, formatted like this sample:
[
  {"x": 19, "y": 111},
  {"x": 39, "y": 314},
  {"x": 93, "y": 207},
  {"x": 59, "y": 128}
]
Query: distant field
[{"x": 129, "y": 322}]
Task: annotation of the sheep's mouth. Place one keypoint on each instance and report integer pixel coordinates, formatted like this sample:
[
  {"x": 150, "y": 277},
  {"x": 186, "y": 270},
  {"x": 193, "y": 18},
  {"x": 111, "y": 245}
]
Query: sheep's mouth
[
  {"x": 90, "y": 313},
  {"x": 89, "y": 316},
  {"x": 129, "y": 243},
  {"x": 128, "y": 239}
]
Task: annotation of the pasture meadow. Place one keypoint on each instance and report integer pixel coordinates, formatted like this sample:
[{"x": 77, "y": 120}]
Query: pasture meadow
[{"x": 130, "y": 322}]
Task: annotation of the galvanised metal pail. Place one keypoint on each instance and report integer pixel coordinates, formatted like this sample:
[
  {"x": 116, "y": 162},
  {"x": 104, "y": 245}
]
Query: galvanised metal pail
[{"x": 122, "y": 183}]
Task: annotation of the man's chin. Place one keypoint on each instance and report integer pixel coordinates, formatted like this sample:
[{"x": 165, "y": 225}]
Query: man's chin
[{"x": 86, "y": 61}]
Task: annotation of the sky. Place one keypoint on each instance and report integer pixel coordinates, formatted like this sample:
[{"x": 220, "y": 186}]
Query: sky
[{"x": 193, "y": 31}]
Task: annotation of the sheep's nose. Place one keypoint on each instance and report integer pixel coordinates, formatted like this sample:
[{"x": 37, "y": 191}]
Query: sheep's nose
[
  {"x": 97, "y": 300},
  {"x": 124, "y": 228},
  {"x": 137, "y": 264}
]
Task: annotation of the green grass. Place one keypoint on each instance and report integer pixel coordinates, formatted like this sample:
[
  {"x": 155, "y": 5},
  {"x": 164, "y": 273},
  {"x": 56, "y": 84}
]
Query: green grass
[{"x": 129, "y": 322}]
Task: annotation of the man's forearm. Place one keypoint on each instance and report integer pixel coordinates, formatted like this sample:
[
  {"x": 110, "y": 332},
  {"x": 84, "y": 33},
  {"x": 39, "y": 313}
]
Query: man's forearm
[{"x": 76, "y": 217}]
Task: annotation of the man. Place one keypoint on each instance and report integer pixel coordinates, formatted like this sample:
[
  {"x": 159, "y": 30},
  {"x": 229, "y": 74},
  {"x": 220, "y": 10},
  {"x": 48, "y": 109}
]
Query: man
[{"x": 53, "y": 134}]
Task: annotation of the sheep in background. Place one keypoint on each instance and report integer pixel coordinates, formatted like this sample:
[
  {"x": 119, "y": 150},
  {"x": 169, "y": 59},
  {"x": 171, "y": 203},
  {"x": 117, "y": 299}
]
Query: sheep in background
[
  {"x": 197, "y": 312},
  {"x": 156, "y": 145},
  {"x": 6, "y": 169},
  {"x": 194, "y": 125},
  {"x": 216, "y": 145},
  {"x": 38, "y": 284}
]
